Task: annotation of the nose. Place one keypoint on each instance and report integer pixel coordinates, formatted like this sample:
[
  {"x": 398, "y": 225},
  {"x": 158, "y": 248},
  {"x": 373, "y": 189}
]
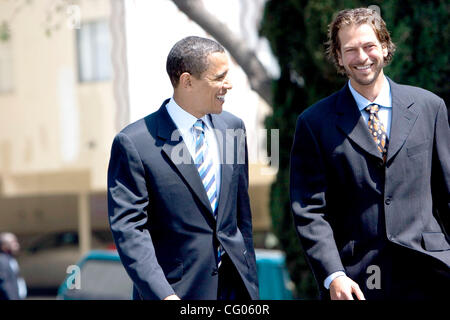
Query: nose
[
  {"x": 362, "y": 55},
  {"x": 227, "y": 84}
]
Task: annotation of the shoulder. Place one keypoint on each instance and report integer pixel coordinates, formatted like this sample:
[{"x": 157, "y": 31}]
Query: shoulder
[
  {"x": 140, "y": 126},
  {"x": 418, "y": 92},
  {"x": 135, "y": 139},
  {"x": 148, "y": 124},
  {"x": 231, "y": 120},
  {"x": 418, "y": 95},
  {"x": 143, "y": 129},
  {"x": 321, "y": 110}
]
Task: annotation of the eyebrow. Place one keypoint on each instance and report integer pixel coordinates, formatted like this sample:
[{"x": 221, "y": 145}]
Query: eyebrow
[
  {"x": 221, "y": 75},
  {"x": 363, "y": 45}
]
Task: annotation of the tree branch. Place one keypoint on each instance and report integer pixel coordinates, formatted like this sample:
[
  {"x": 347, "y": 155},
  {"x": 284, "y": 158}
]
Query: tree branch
[{"x": 259, "y": 79}]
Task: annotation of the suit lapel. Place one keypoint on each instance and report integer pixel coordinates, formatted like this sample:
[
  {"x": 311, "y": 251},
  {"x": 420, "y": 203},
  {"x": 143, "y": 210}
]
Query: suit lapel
[
  {"x": 351, "y": 122},
  {"x": 174, "y": 146},
  {"x": 226, "y": 169},
  {"x": 403, "y": 119}
]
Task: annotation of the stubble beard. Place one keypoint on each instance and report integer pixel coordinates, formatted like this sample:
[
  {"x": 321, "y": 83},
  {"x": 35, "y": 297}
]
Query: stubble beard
[{"x": 365, "y": 81}]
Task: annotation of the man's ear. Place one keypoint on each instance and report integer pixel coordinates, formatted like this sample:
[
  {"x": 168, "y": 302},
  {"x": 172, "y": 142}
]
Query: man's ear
[
  {"x": 385, "y": 51},
  {"x": 185, "y": 80}
]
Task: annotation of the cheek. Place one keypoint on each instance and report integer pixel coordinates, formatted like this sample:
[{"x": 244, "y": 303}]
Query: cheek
[{"x": 344, "y": 59}]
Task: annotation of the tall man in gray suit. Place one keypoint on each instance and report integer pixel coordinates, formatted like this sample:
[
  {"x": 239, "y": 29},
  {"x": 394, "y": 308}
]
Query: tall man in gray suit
[
  {"x": 178, "y": 188},
  {"x": 370, "y": 176}
]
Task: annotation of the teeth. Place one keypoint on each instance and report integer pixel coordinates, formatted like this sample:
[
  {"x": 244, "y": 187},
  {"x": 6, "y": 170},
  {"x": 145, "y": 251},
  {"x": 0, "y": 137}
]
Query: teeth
[
  {"x": 221, "y": 98},
  {"x": 363, "y": 68}
]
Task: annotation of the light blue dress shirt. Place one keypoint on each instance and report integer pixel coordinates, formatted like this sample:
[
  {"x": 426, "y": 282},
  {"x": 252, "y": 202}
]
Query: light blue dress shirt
[
  {"x": 185, "y": 124},
  {"x": 384, "y": 100}
]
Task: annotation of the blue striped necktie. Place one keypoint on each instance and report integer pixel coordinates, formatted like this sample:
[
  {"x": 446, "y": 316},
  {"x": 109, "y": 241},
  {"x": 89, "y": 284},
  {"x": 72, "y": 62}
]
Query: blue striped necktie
[
  {"x": 204, "y": 164},
  {"x": 206, "y": 170}
]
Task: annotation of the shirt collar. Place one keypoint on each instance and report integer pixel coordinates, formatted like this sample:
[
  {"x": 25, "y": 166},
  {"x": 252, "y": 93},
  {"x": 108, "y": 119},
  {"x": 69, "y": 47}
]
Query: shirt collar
[
  {"x": 384, "y": 98},
  {"x": 183, "y": 119}
]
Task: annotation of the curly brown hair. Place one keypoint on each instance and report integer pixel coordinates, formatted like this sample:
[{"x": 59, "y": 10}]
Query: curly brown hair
[{"x": 357, "y": 16}]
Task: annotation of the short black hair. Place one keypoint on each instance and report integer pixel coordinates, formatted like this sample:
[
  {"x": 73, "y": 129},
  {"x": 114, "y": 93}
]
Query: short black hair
[{"x": 190, "y": 55}]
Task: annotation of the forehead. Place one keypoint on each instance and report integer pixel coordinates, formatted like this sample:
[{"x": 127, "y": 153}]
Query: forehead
[
  {"x": 217, "y": 63},
  {"x": 355, "y": 35}
]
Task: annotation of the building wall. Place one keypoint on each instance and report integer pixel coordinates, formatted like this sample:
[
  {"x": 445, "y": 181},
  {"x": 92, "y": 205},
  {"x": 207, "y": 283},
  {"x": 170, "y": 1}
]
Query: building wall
[
  {"x": 55, "y": 132},
  {"x": 50, "y": 121}
]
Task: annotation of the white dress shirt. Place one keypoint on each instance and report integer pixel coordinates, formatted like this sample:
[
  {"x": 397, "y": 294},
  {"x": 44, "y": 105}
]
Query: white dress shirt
[
  {"x": 384, "y": 100},
  {"x": 185, "y": 124}
]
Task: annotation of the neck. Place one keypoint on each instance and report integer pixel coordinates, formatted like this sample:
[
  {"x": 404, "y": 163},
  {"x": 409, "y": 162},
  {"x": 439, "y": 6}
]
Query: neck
[
  {"x": 372, "y": 90},
  {"x": 186, "y": 105}
]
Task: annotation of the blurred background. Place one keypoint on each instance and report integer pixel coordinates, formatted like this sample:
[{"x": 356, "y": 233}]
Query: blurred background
[{"x": 74, "y": 72}]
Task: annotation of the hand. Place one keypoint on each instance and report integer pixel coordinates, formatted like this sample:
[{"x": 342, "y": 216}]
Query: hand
[
  {"x": 342, "y": 288},
  {"x": 172, "y": 297}
]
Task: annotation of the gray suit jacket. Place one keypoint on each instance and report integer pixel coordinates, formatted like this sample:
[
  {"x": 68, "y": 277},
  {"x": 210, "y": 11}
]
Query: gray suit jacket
[
  {"x": 161, "y": 218},
  {"x": 347, "y": 203}
]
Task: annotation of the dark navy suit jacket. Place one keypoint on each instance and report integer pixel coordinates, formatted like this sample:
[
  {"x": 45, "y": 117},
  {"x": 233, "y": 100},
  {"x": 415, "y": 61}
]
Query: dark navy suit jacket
[
  {"x": 347, "y": 204},
  {"x": 160, "y": 216}
]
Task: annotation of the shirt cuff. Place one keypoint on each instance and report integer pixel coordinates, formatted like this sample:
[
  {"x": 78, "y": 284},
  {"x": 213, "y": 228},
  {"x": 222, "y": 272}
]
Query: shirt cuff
[{"x": 331, "y": 277}]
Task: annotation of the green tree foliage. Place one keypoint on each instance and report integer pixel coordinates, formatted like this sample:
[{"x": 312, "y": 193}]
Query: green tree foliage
[{"x": 297, "y": 31}]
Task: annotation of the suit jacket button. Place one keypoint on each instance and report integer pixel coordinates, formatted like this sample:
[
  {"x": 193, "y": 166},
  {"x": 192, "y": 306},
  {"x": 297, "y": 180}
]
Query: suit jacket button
[
  {"x": 215, "y": 271},
  {"x": 388, "y": 201}
]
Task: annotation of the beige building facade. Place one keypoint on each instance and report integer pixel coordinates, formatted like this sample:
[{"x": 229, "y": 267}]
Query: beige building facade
[{"x": 55, "y": 129}]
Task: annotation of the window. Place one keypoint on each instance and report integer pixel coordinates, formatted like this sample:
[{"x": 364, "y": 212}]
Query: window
[
  {"x": 94, "y": 52},
  {"x": 6, "y": 66}
]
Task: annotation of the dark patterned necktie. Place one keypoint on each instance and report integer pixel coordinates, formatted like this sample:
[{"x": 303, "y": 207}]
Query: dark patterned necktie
[{"x": 377, "y": 129}]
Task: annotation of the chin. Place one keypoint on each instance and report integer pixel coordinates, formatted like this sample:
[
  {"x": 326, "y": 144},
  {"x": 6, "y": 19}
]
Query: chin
[
  {"x": 367, "y": 80},
  {"x": 364, "y": 82},
  {"x": 217, "y": 109}
]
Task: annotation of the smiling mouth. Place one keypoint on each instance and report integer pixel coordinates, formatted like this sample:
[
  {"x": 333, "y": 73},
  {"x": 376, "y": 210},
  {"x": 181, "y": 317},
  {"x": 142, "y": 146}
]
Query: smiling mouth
[
  {"x": 221, "y": 98},
  {"x": 362, "y": 68}
]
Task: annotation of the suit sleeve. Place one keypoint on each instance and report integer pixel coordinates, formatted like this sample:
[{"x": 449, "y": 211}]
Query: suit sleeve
[
  {"x": 243, "y": 205},
  {"x": 308, "y": 185},
  {"x": 244, "y": 216},
  {"x": 441, "y": 167},
  {"x": 128, "y": 201}
]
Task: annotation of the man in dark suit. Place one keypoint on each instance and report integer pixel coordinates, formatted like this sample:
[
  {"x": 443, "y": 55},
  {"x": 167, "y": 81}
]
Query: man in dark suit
[
  {"x": 370, "y": 176},
  {"x": 178, "y": 188}
]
